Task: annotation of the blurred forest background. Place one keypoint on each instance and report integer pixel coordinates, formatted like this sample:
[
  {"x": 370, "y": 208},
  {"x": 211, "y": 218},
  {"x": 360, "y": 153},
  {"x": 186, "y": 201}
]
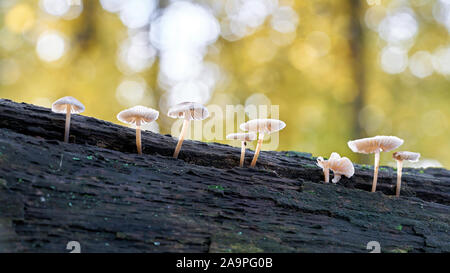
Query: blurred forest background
[{"x": 339, "y": 70}]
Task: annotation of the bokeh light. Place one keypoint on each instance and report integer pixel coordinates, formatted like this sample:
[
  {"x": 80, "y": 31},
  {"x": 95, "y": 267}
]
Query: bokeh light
[
  {"x": 20, "y": 18},
  {"x": 394, "y": 59},
  {"x": 50, "y": 46},
  {"x": 421, "y": 64},
  {"x": 137, "y": 13},
  {"x": 398, "y": 27},
  {"x": 55, "y": 7}
]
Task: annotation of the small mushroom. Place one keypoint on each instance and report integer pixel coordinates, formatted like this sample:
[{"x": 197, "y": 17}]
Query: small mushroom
[
  {"x": 339, "y": 165},
  {"x": 399, "y": 157},
  {"x": 138, "y": 115},
  {"x": 375, "y": 145},
  {"x": 243, "y": 137},
  {"x": 261, "y": 126},
  {"x": 187, "y": 111},
  {"x": 67, "y": 105}
]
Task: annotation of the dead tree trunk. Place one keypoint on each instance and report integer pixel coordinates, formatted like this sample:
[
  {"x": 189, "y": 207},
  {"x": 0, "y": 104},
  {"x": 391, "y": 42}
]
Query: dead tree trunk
[{"x": 96, "y": 190}]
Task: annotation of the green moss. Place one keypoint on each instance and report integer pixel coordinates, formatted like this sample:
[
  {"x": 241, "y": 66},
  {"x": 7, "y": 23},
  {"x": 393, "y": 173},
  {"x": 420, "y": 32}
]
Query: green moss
[
  {"x": 245, "y": 248},
  {"x": 399, "y": 227},
  {"x": 3, "y": 182},
  {"x": 297, "y": 154},
  {"x": 399, "y": 250},
  {"x": 216, "y": 187}
]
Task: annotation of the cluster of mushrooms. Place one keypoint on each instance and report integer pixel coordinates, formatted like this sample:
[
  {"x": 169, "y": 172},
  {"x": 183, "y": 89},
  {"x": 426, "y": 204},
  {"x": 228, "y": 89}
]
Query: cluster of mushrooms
[
  {"x": 371, "y": 145},
  {"x": 255, "y": 129},
  {"x": 141, "y": 115}
]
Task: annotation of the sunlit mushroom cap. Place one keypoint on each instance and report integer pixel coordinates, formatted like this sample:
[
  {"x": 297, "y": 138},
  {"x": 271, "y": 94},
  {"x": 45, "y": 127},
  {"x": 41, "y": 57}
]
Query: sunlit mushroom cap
[
  {"x": 189, "y": 111},
  {"x": 373, "y": 144},
  {"x": 60, "y": 106},
  {"x": 242, "y": 136},
  {"x": 404, "y": 155},
  {"x": 265, "y": 126},
  {"x": 339, "y": 165},
  {"x": 138, "y": 113}
]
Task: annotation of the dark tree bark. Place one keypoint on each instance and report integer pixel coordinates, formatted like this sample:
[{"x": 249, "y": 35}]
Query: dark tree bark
[{"x": 96, "y": 190}]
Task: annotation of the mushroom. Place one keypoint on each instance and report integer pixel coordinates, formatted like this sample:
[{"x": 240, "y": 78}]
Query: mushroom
[
  {"x": 243, "y": 137},
  {"x": 375, "y": 145},
  {"x": 399, "y": 157},
  {"x": 261, "y": 126},
  {"x": 138, "y": 115},
  {"x": 187, "y": 111},
  {"x": 67, "y": 105},
  {"x": 339, "y": 165}
]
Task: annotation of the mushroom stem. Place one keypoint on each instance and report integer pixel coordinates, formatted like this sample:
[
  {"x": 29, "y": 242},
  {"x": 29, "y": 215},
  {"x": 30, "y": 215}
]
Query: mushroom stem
[
  {"x": 258, "y": 148},
  {"x": 181, "y": 138},
  {"x": 336, "y": 178},
  {"x": 375, "y": 171},
  {"x": 138, "y": 137},
  {"x": 67, "y": 130},
  {"x": 241, "y": 162},
  {"x": 399, "y": 177},
  {"x": 326, "y": 173}
]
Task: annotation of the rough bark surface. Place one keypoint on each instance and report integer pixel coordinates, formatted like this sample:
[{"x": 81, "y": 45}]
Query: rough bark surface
[{"x": 96, "y": 190}]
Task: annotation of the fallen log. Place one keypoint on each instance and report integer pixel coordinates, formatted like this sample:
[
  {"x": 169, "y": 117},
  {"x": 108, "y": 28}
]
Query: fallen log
[{"x": 96, "y": 190}]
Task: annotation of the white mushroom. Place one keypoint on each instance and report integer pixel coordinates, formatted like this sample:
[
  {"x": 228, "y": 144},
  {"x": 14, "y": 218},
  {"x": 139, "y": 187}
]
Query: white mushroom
[
  {"x": 375, "y": 145},
  {"x": 339, "y": 165},
  {"x": 261, "y": 126},
  {"x": 138, "y": 115},
  {"x": 243, "y": 137},
  {"x": 399, "y": 157},
  {"x": 187, "y": 111},
  {"x": 68, "y": 106}
]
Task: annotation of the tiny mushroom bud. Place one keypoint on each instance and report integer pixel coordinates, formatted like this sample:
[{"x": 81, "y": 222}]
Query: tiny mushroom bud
[
  {"x": 138, "y": 115},
  {"x": 187, "y": 111},
  {"x": 243, "y": 137},
  {"x": 399, "y": 157},
  {"x": 375, "y": 145},
  {"x": 261, "y": 126},
  {"x": 339, "y": 165},
  {"x": 68, "y": 106}
]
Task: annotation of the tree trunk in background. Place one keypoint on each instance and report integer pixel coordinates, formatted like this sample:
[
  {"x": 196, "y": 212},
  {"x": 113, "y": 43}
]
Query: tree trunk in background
[
  {"x": 86, "y": 34},
  {"x": 358, "y": 67}
]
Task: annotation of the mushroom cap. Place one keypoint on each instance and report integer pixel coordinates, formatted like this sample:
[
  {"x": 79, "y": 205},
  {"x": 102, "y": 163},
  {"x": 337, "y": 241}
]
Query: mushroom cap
[
  {"x": 138, "y": 113},
  {"x": 60, "y": 105},
  {"x": 242, "y": 136},
  {"x": 189, "y": 111},
  {"x": 405, "y": 155},
  {"x": 373, "y": 144},
  {"x": 339, "y": 165},
  {"x": 265, "y": 126}
]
